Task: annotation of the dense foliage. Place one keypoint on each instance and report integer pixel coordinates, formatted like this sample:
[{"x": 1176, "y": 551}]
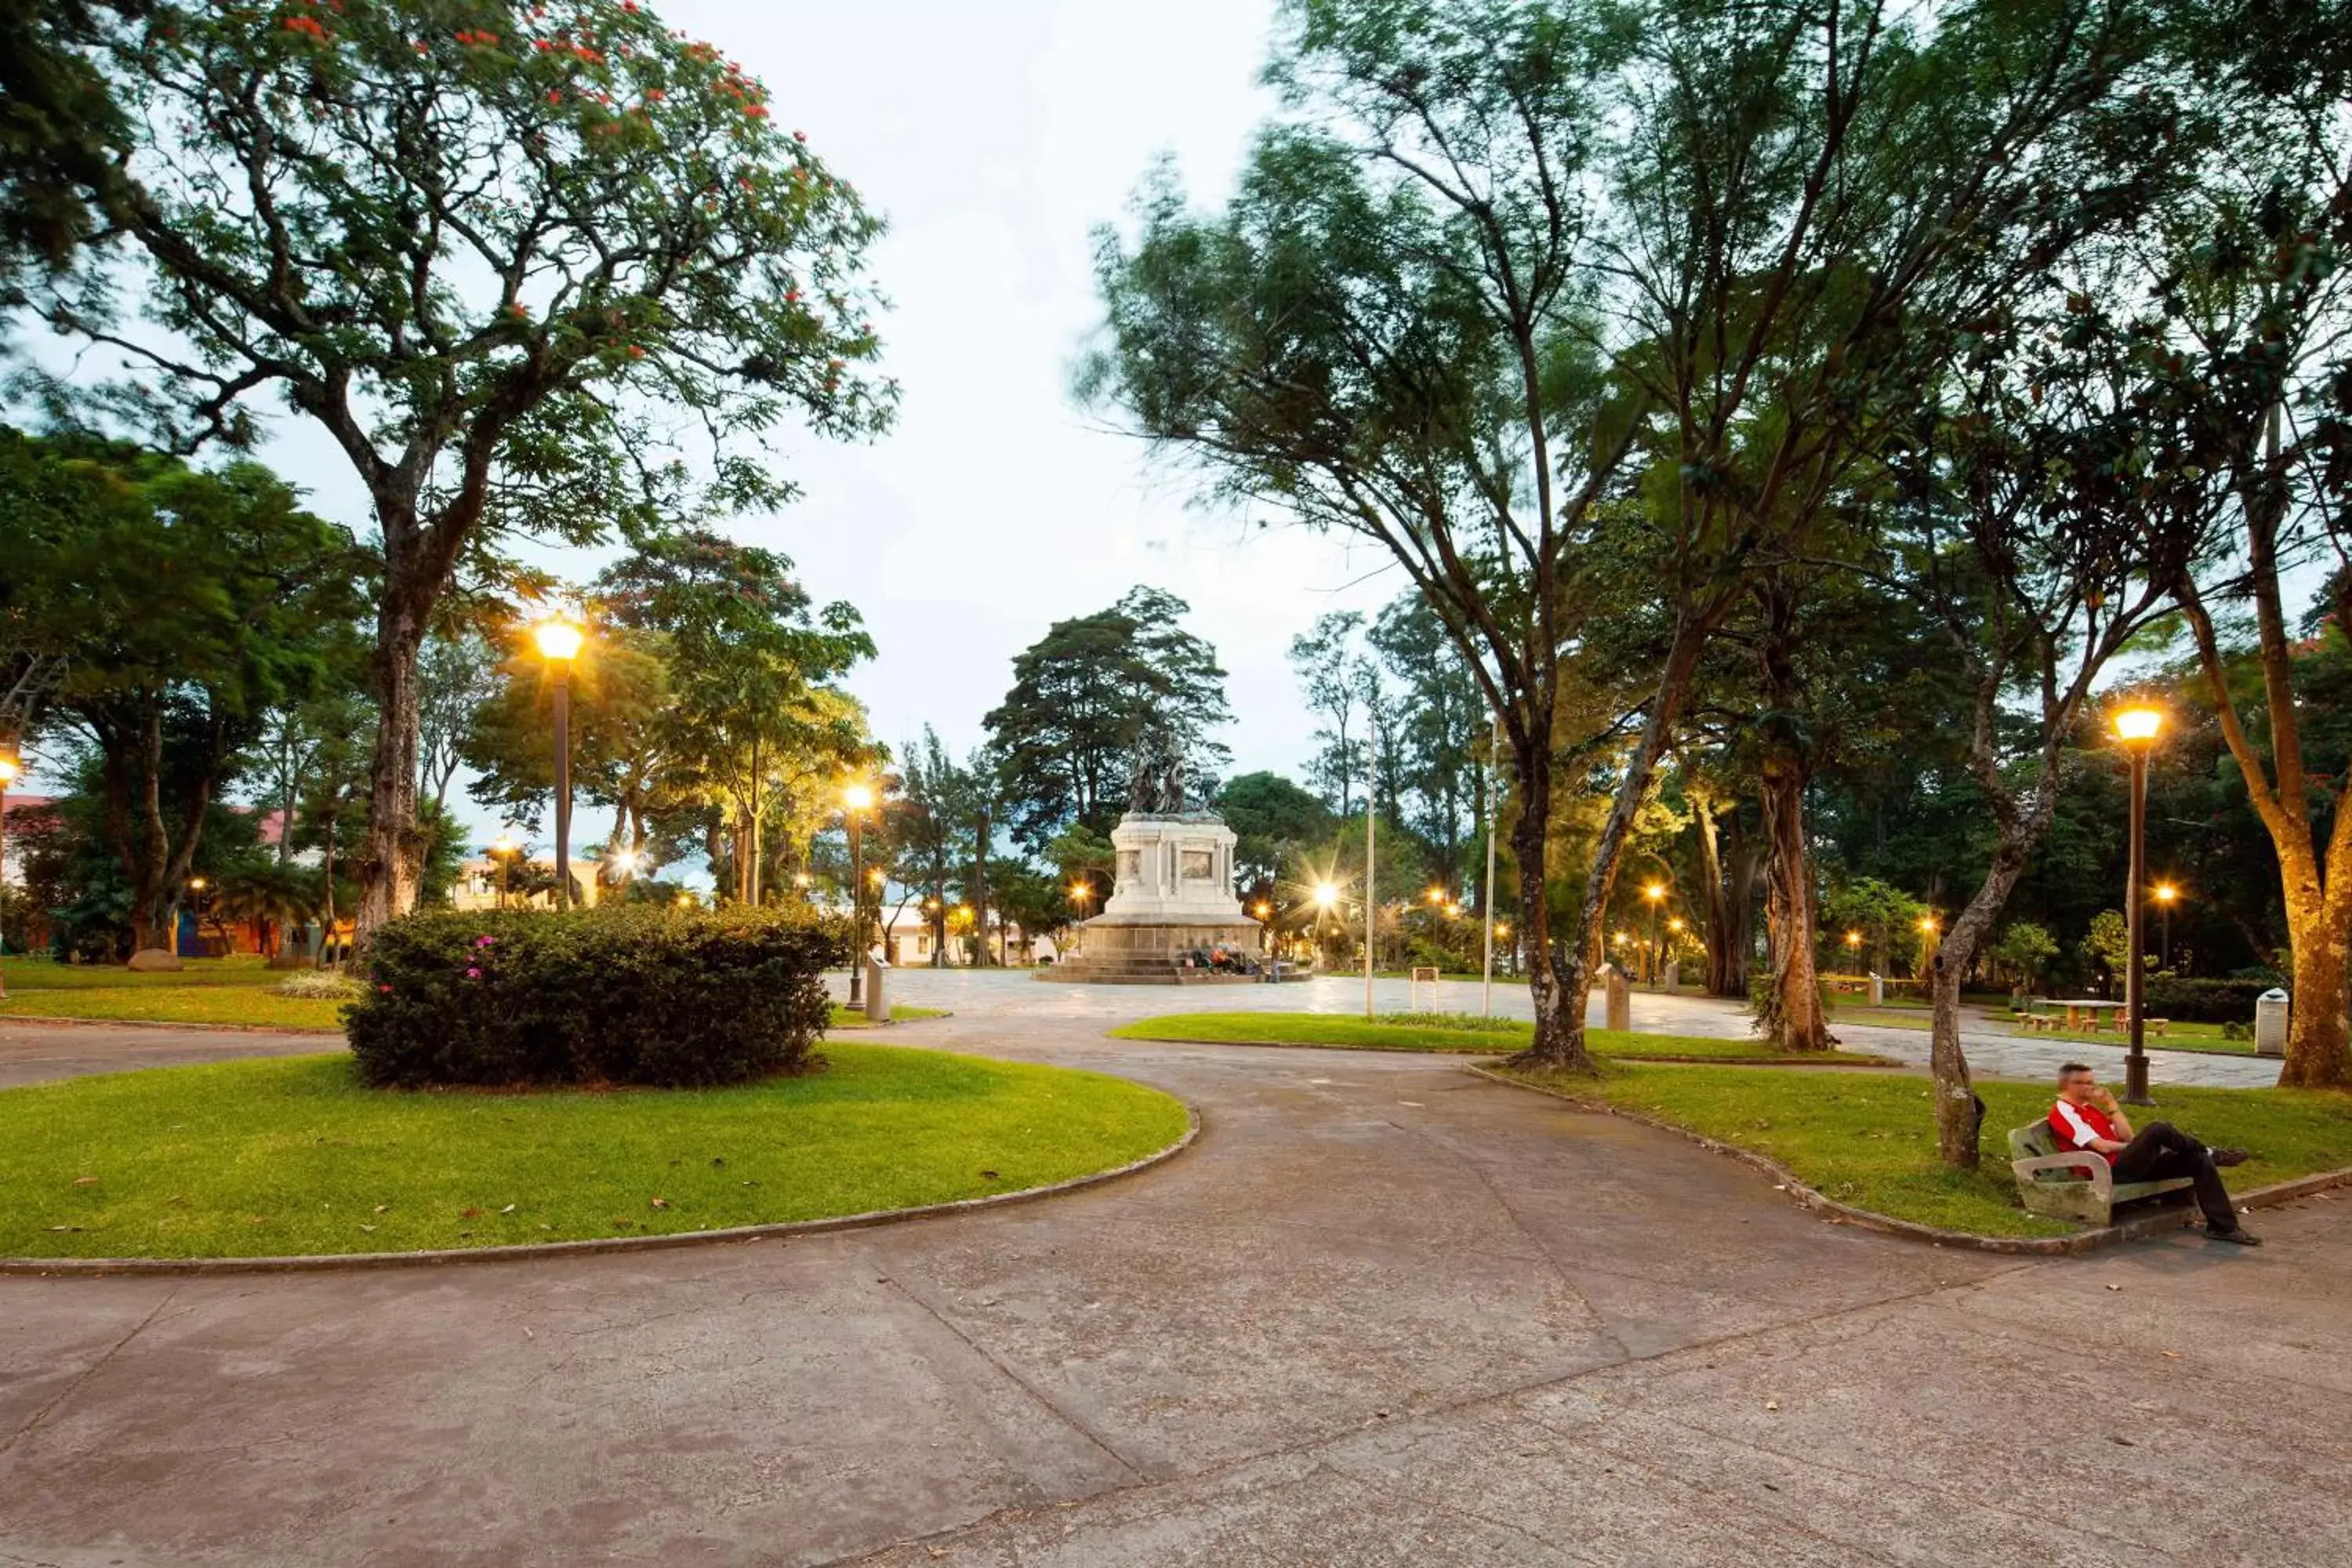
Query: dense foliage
[{"x": 636, "y": 995}]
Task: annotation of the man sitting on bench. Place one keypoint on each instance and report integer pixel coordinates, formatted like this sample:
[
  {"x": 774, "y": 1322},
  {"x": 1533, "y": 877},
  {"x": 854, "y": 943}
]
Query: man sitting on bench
[{"x": 2087, "y": 1117}]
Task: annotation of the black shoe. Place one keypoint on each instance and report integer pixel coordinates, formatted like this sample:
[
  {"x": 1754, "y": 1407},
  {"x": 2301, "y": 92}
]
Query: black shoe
[
  {"x": 2228, "y": 1156},
  {"x": 2243, "y": 1237}
]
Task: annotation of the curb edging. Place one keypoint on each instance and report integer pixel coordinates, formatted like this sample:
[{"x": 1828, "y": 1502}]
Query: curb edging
[
  {"x": 530, "y": 1252},
  {"x": 1876, "y": 1064},
  {"x": 309, "y": 1031},
  {"x": 1806, "y": 1197}
]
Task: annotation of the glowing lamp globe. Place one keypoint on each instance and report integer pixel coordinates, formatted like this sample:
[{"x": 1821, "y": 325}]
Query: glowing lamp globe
[
  {"x": 559, "y": 640},
  {"x": 2138, "y": 726},
  {"x": 857, "y": 796},
  {"x": 1325, "y": 894}
]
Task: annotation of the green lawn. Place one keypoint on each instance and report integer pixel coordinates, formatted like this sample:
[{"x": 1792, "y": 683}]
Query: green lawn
[
  {"x": 1437, "y": 1032},
  {"x": 1869, "y": 1139},
  {"x": 855, "y": 1017},
  {"x": 214, "y": 991},
  {"x": 293, "y": 1155},
  {"x": 2177, "y": 1036}
]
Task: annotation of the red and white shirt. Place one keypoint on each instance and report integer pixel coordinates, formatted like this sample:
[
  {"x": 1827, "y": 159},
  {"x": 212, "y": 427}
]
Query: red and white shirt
[{"x": 2076, "y": 1125}]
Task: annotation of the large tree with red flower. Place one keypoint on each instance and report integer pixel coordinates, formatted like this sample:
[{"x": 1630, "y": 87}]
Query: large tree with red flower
[{"x": 535, "y": 270}]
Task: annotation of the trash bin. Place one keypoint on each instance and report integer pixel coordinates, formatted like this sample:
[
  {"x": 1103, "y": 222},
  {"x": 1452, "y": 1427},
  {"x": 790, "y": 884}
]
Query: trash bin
[
  {"x": 877, "y": 1010},
  {"x": 2270, "y": 1022},
  {"x": 1617, "y": 1010},
  {"x": 1877, "y": 989}
]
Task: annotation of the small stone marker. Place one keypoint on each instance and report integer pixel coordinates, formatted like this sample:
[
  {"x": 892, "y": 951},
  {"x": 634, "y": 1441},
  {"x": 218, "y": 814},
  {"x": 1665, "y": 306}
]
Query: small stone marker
[
  {"x": 1618, "y": 1010},
  {"x": 1877, "y": 989},
  {"x": 155, "y": 960}
]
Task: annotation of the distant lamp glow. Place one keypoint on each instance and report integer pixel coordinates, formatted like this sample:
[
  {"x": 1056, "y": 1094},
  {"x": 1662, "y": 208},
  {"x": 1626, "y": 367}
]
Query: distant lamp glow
[
  {"x": 858, "y": 796},
  {"x": 2165, "y": 893},
  {"x": 1853, "y": 938},
  {"x": 1654, "y": 891},
  {"x": 1262, "y": 908},
  {"x": 9, "y": 768},
  {"x": 877, "y": 876},
  {"x": 685, "y": 901},
  {"x": 800, "y": 878},
  {"x": 1454, "y": 910},
  {"x": 504, "y": 847},
  {"x": 198, "y": 883},
  {"x": 1927, "y": 924},
  {"x": 558, "y": 639},
  {"x": 1502, "y": 927},
  {"x": 1674, "y": 924},
  {"x": 1436, "y": 895},
  {"x": 1325, "y": 895},
  {"x": 2138, "y": 726}
]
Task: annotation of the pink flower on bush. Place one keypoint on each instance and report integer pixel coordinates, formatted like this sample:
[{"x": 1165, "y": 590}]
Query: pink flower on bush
[
  {"x": 386, "y": 990},
  {"x": 473, "y": 974},
  {"x": 486, "y": 942}
]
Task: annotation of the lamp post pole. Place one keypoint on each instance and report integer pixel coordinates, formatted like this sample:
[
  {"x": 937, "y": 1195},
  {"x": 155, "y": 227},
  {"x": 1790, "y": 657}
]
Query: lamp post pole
[
  {"x": 857, "y": 910},
  {"x": 1371, "y": 899},
  {"x": 2137, "y": 728},
  {"x": 9, "y": 767},
  {"x": 1487, "y": 888},
  {"x": 2136, "y": 1060},
  {"x": 558, "y": 643}
]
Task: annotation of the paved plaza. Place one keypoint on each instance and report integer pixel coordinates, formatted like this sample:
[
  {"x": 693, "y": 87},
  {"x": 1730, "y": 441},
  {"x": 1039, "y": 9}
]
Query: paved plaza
[{"x": 1382, "y": 1313}]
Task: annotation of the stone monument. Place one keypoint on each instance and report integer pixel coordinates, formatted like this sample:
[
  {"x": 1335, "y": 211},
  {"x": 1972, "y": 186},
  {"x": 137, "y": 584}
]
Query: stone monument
[{"x": 1174, "y": 894}]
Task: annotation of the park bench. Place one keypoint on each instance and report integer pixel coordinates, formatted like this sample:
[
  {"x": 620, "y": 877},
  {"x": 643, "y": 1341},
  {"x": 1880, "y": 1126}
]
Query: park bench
[{"x": 2077, "y": 1186}]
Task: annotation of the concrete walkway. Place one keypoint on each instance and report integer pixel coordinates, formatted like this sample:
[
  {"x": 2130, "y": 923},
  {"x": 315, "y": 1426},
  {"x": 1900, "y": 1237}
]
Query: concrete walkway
[{"x": 1384, "y": 1312}]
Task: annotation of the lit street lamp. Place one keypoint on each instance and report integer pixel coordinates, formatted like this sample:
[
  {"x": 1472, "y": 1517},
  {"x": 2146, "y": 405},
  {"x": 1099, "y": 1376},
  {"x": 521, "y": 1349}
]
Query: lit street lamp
[
  {"x": 2137, "y": 728},
  {"x": 856, "y": 800},
  {"x": 2166, "y": 895},
  {"x": 503, "y": 852},
  {"x": 558, "y": 643},
  {"x": 1853, "y": 946},
  {"x": 1656, "y": 893},
  {"x": 9, "y": 768},
  {"x": 197, "y": 885}
]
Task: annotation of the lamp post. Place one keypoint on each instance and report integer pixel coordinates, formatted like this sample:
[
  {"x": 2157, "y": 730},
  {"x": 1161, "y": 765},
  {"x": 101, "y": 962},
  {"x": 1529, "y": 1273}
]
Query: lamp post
[
  {"x": 1675, "y": 936},
  {"x": 558, "y": 643},
  {"x": 503, "y": 852},
  {"x": 1926, "y": 943},
  {"x": 2165, "y": 895},
  {"x": 1371, "y": 882},
  {"x": 196, "y": 885},
  {"x": 1656, "y": 893},
  {"x": 2137, "y": 728},
  {"x": 9, "y": 768},
  {"x": 856, "y": 800},
  {"x": 1487, "y": 888},
  {"x": 1853, "y": 946}
]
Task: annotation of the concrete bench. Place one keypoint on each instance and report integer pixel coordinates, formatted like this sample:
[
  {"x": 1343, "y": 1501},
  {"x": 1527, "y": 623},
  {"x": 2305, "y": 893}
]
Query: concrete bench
[{"x": 2079, "y": 1186}]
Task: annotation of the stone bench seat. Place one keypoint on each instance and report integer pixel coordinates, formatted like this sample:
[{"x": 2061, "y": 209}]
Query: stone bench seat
[{"x": 2079, "y": 1186}]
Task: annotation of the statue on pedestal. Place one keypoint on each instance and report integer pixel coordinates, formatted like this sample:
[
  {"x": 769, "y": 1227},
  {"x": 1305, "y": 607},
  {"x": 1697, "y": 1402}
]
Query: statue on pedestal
[{"x": 1157, "y": 788}]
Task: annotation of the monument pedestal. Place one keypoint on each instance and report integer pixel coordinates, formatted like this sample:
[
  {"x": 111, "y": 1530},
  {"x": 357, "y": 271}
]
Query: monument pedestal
[{"x": 1174, "y": 901}]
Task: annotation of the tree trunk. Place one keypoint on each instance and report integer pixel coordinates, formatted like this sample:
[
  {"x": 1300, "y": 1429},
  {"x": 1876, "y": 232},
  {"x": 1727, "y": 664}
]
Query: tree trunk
[
  {"x": 392, "y": 854},
  {"x": 1559, "y": 1045},
  {"x": 2318, "y": 1030},
  {"x": 1791, "y": 1018},
  {"x": 327, "y": 925},
  {"x": 1723, "y": 976}
]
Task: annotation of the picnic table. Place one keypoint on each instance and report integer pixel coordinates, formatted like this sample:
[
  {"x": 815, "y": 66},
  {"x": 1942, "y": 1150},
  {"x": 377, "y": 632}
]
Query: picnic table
[{"x": 2084, "y": 1011}]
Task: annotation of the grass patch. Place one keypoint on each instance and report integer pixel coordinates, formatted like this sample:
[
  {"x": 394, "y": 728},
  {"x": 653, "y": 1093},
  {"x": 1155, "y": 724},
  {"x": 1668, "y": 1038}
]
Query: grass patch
[
  {"x": 855, "y": 1017},
  {"x": 1439, "y": 1032},
  {"x": 203, "y": 1004},
  {"x": 2177, "y": 1036},
  {"x": 294, "y": 1155},
  {"x": 1869, "y": 1139},
  {"x": 24, "y": 974}
]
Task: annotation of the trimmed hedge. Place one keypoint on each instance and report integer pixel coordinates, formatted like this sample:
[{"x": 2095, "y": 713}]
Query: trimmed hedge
[
  {"x": 636, "y": 995},
  {"x": 2205, "y": 1001}
]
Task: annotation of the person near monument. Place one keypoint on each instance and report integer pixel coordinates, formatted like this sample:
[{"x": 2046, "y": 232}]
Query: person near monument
[{"x": 2086, "y": 1117}]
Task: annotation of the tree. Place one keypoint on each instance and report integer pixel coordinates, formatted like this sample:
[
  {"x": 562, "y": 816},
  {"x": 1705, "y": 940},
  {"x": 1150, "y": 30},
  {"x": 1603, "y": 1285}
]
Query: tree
[
  {"x": 754, "y": 713},
  {"x": 2024, "y": 950},
  {"x": 2108, "y": 945},
  {"x": 62, "y": 129},
  {"x": 1085, "y": 695},
  {"x": 924, "y": 826},
  {"x": 622, "y": 732},
  {"x": 1440, "y": 735},
  {"x": 457, "y": 674},
  {"x": 1504, "y": 263},
  {"x": 1332, "y": 676},
  {"x": 1275, "y": 825},
  {"x": 2248, "y": 360},
  {"x": 183, "y": 606},
  {"x": 492, "y": 253}
]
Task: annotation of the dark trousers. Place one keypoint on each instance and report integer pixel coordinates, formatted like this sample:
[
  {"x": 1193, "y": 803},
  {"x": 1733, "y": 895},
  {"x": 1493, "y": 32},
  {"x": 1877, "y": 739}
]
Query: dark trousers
[{"x": 2159, "y": 1152}]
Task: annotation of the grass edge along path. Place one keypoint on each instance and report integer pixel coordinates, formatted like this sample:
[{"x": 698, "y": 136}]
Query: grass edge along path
[
  {"x": 1468, "y": 1034},
  {"x": 1868, "y": 1140},
  {"x": 291, "y": 1155}
]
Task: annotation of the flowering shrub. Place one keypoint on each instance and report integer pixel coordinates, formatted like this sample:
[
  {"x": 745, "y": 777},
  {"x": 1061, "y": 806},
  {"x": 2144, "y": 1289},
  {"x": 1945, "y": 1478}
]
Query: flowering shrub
[{"x": 635, "y": 994}]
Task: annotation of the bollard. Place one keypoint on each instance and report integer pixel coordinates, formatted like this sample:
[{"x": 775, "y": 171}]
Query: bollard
[
  {"x": 1618, "y": 1010},
  {"x": 877, "y": 1010},
  {"x": 1877, "y": 989},
  {"x": 1673, "y": 974}
]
